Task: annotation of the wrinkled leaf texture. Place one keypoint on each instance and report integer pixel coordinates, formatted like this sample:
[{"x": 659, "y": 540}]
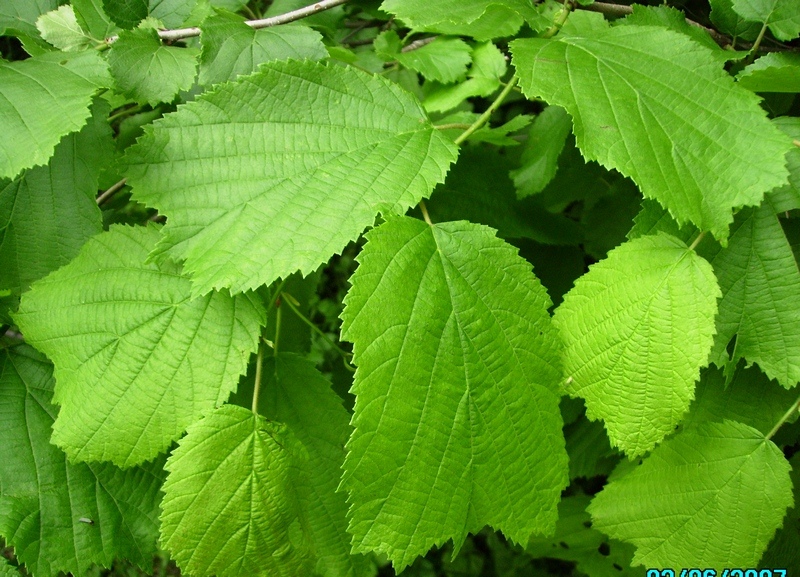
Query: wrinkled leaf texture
[{"x": 305, "y": 157}]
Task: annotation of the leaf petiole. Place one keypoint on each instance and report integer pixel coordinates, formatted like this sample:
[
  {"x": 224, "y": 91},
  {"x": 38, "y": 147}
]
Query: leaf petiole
[
  {"x": 484, "y": 118},
  {"x": 786, "y": 416},
  {"x": 697, "y": 240}
]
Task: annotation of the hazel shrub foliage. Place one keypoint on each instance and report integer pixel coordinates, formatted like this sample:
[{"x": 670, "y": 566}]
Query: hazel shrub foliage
[{"x": 454, "y": 287}]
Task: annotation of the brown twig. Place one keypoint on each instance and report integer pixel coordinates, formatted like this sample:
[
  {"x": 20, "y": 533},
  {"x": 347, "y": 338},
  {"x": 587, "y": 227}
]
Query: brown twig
[
  {"x": 299, "y": 14},
  {"x": 111, "y": 191}
]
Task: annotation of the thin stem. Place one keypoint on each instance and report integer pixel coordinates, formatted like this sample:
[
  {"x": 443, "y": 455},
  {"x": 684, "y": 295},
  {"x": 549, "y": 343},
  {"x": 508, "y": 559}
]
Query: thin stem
[
  {"x": 787, "y": 415},
  {"x": 343, "y": 353},
  {"x": 756, "y": 44},
  {"x": 259, "y": 364},
  {"x": 111, "y": 191},
  {"x": 484, "y": 118},
  {"x": 299, "y": 14},
  {"x": 425, "y": 214},
  {"x": 461, "y": 125},
  {"x": 697, "y": 240},
  {"x": 561, "y": 18},
  {"x": 126, "y": 112}
]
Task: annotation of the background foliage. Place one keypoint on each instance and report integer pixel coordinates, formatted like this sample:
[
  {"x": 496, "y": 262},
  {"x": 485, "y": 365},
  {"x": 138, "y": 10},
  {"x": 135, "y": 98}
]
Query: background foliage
[{"x": 456, "y": 288}]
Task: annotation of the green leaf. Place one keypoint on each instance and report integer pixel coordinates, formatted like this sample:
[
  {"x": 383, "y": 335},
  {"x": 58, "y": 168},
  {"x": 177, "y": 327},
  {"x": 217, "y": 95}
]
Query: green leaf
[
  {"x": 773, "y": 72},
  {"x": 710, "y": 497},
  {"x": 49, "y": 212},
  {"x": 482, "y": 19},
  {"x": 581, "y": 23},
  {"x": 147, "y": 70},
  {"x": 609, "y": 218},
  {"x": 444, "y": 60},
  {"x": 499, "y": 135},
  {"x": 575, "y": 540},
  {"x": 18, "y": 17},
  {"x": 61, "y": 29},
  {"x": 137, "y": 360},
  {"x": 230, "y": 505},
  {"x": 128, "y": 13},
  {"x": 231, "y": 48},
  {"x": 231, "y": 5},
  {"x": 483, "y": 78},
  {"x": 295, "y": 393},
  {"x": 44, "y": 496},
  {"x": 59, "y": 83},
  {"x": 637, "y": 328},
  {"x": 649, "y": 102},
  {"x": 456, "y": 420},
  {"x": 788, "y": 197},
  {"x": 784, "y": 550},
  {"x": 782, "y": 16},
  {"x": 726, "y": 20},
  {"x": 479, "y": 190},
  {"x": 750, "y": 398},
  {"x": 93, "y": 19},
  {"x": 8, "y": 570},
  {"x": 590, "y": 453},
  {"x": 654, "y": 218},
  {"x": 327, "y": 149},
  {"x": 539, "y": 162},
  {"x": 760, "y": 303},
  {"x": 673, "y": 19}
]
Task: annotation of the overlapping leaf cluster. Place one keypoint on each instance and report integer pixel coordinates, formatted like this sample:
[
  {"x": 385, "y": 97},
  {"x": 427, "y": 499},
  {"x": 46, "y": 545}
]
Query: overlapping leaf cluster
[{"x": 170, "y": 368}]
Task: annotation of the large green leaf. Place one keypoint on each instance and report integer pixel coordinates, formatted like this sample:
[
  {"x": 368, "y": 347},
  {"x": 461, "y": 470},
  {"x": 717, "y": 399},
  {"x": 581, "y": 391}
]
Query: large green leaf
[
  {"x": 305, "y": 157},
  {"x": 456, "y": 420},
  {"x": 710, "y": 497},
  {"x": 62, "y": 516},
  {"x": 232, "y": 48},
  {"x": 637, "y": 328},
  {"x": 760, "y": 303},
  {"x": 295, "y": 393},
  {"x": 773, "y": 72},
  {"x": 230, "y": 499},
  {"x": 148, "y": 71},
  {"x": 60, "y": 84},
  {"x": 19, "y": 16},
  {"x": 782, "y": 16},
  {"x": 137, "y": 360},
  {"x": 659, "y": 108},
  {"x": 35, "y": 207}
]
